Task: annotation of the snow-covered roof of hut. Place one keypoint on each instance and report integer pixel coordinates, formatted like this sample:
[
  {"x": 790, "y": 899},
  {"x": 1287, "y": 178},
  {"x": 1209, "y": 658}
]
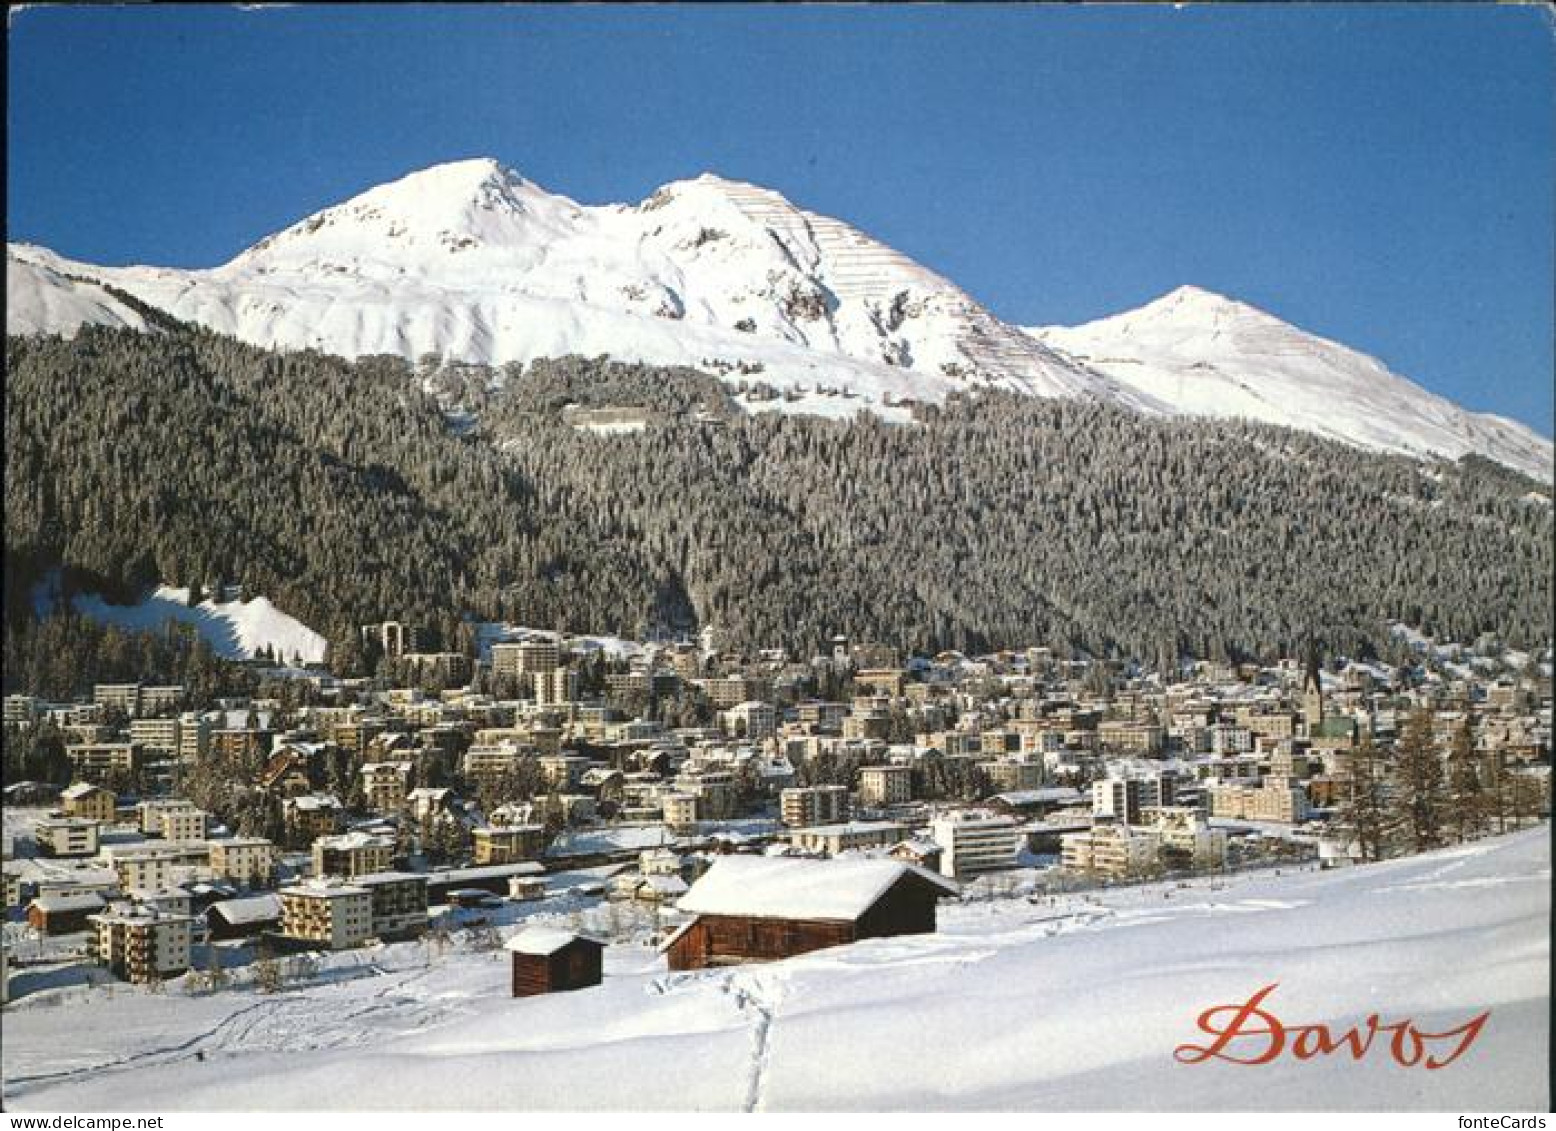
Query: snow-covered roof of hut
[
  {"x": 545, "y": 941},
  {"x": 64, "y": 902},
  {"x": 784, "y": 887},
  {"x": 250, "y": 909}
]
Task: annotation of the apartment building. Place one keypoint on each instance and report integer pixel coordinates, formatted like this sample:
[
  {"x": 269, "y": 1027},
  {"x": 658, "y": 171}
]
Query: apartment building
[
  {"x": 525, "y": 658},
  {"x": 813, "y": 805},
  {"x": 1131, "y": 737},
  {"x": 118, "y": 697},
  {"x": 21, "y": 710},
  {"x": 1186, "y": 838},
  {"x": 66, "y": 836},
  {"x": 194, "y": 736},
  {"x": 714, "y": 791},
  {"x": 885, "y": 785},
  {"x": 386, "y": 784},
  {"x": 880, "y": 681},
  {"x": 1013, "y": 773},
  {"x": 508, "y": 845},
  {"x": 392, "y": 638},
  {"x": 752, "y": 720},
  {"x": 724, "y": 692},
  {"x": 355, "y": 733},
  {"x": 830, "y": 840},
  {"x": 95, "y": 761},
  {"x": 1124, "y": 797},
  {"x": 563, "y": 771},
  {"x": 820, "y": 717},
  {"x": 1111, "y": 850},
  {"x": 352, "y": 854},
  {"x": 162, "y": 700},
  {"x": 313, "y": 815},
  {"x": 89, "y": 802},
  {"x": 156, "y": 734},
  {"x": 1228, "y": 738},
  {"x": 1276, "y": 799},
  {"x": 680, "y": 811},
  {"x": 973, "y": 841},
  {"x": 183, "y": 823},
  {"x": 398, "y": 903},
  {"x": 140, "y": 943},
  {"x": 493, "y": 760},
  {"x": 451, "y": 668},
  {"x": 1280, "y": 724},
  {"x": 239, "y": 743},
  {"x": 150, "y": 813},
  {"x": 867, "y": 720},
  {"x": 146, "y": 867},
  {"x": 328, "y": 912},
  {"x": 246, "y": 860},
  {"x": 556, "y": 687}
]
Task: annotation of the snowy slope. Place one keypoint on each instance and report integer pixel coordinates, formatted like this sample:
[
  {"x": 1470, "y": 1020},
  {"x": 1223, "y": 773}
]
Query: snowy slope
[
  {"x": 38, "y": 299},
  {"x": 236, "y": 630},
  {"x": 1201, "y": 354},
  {"x": 472, "y": 262},
  {"x": 1077, "y": 1004}
]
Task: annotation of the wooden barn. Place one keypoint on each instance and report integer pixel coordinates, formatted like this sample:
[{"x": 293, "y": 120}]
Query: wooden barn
[
  {"x": 244, "y": 918},
  {"x": 546, "y": 960},
  {"x": 64, "y": 913},
  {"x": 758, "y": 908}
]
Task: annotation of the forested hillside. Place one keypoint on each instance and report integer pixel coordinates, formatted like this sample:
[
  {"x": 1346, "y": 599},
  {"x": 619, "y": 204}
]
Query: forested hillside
[{"x": 339, "y": 490}]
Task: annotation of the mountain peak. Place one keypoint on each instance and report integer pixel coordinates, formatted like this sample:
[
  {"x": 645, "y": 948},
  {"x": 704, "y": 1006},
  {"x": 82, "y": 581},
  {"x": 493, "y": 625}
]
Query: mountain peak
[
  {"x": 452, "y": 207},
  {"x": 454, "y": 182},
  {"x": 1189, "y": 299},
  {"x": 714, "y": 180},
  {"x": 710, "y": 187}
]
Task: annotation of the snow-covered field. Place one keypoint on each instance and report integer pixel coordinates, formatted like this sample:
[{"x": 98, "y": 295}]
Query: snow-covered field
[
  {"x": 236, "y": 630},
  {"x": 1073, "y": 1003}
]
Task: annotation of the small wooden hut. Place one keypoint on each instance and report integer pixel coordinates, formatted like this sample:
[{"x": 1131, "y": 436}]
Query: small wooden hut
[
  {"x": 756, "y": 908},
  {"x": 547, "y": 959}
]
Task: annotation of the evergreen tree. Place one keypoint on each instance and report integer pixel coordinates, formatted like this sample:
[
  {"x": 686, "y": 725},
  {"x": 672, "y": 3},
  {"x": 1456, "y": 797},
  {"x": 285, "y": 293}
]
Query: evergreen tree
[
  {"x": 1365, "y": 815},
  {"x": 1466, "y": 793},
  {"x": 1419, "y": 786}
]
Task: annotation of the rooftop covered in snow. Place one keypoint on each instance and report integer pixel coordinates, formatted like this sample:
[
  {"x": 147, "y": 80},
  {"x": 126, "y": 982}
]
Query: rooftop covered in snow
[
  {"x": 774, "y": 887},
  {"x": 545, "y": 941}
]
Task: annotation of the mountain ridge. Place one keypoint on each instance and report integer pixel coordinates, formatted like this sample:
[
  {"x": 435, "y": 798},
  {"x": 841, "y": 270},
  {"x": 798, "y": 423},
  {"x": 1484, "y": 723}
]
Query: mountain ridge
[
  {"x": 1210, "y": 355},
  {"x": 473, "y": 262}
]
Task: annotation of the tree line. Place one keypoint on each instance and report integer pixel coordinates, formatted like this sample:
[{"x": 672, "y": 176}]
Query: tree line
[{"x": 340, "y": 490}]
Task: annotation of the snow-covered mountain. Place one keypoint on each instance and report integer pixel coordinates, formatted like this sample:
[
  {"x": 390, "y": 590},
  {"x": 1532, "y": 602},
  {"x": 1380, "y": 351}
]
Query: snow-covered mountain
[
  {"x": 1202, "y": 354},
  {"x": 39, "y": 299},
  {"x": 471, "y": 262}
]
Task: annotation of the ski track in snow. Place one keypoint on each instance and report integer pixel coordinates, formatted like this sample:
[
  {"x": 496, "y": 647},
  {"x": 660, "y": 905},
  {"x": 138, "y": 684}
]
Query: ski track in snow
[{"x": 289, "y": 1020}]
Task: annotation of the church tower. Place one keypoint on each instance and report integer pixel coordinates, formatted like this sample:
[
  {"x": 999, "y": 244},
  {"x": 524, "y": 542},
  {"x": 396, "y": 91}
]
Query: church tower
[{"x": 1312, "y": 689}]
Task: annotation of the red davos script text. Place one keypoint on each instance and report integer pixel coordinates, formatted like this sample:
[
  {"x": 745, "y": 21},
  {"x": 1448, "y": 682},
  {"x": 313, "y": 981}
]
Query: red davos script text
[{"x": 1249, "y": 1034}]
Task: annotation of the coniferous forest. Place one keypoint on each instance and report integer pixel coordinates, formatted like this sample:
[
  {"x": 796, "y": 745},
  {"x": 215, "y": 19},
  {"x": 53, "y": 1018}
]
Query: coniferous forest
[{"x": 347, "y": 493}]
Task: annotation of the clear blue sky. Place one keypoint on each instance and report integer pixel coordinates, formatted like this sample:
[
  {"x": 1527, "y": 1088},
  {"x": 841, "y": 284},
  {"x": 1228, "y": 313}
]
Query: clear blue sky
[{"x": 1382, "y": 176}]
